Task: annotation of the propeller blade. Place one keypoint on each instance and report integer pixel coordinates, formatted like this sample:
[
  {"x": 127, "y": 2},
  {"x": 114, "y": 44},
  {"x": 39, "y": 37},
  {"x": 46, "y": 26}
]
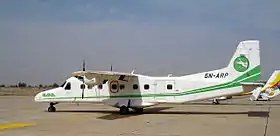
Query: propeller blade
[
  {"x": 84, "y": 65},
  {"x": 84, "y": 69}
]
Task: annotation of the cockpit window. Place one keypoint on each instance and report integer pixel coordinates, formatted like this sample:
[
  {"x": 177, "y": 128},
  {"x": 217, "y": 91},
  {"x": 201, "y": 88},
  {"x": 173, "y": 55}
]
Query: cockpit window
[
  {"x": 68, "y": 86},
  {"x": 63, "y": 84},
  {"x": 79, "y": 77}
]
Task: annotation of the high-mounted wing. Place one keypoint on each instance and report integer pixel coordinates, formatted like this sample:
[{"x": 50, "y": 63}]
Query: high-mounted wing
[{"x": 100, "y": 77}]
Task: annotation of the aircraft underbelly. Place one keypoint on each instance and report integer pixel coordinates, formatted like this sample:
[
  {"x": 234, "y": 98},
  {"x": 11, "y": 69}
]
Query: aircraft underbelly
[{"x": 133, "y": 103}]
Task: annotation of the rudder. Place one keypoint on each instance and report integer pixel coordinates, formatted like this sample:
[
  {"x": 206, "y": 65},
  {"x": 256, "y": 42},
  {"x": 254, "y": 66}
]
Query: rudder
[{"x": 246, "y": 59}]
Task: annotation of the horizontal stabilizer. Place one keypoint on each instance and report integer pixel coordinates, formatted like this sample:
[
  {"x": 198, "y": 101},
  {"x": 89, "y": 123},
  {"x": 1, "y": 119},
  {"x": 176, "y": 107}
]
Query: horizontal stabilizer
[{"x": 252, "y": 84}]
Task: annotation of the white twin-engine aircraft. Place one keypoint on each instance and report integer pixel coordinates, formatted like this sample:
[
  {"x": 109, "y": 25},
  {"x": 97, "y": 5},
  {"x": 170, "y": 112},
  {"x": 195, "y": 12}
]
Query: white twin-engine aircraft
[{"x": 134, "y": 91}]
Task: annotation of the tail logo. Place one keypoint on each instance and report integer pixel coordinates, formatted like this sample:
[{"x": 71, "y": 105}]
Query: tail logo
[{"x": 241, "y": 64}]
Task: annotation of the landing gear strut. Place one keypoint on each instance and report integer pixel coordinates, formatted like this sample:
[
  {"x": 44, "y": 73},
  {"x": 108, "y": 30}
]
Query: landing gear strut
[
  {"x": 52, "y": 108},
  {"x": 215, "y": 101}
]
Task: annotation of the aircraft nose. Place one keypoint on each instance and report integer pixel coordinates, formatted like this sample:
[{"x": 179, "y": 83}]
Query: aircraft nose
[{"x": 38, "y": 96}]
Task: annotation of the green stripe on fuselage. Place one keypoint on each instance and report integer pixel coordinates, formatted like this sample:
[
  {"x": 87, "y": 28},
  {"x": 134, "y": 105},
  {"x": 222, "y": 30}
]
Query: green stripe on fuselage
[{"x": 250, "y": 76}]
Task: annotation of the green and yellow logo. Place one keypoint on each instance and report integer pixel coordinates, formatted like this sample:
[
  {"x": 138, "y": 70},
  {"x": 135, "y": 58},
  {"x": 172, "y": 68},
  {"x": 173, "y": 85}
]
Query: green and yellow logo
[
  {"x": 48, "y": 95},
  {"x": 241, "y": 64}
]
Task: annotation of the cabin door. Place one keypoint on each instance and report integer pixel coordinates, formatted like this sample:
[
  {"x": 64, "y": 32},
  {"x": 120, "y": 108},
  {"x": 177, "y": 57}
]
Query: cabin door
[{"x": 160, "y": 91}]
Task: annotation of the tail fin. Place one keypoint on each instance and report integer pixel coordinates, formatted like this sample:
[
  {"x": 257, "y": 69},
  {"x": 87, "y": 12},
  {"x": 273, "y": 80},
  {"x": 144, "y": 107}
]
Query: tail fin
[
  {"x": 270, "y": 89},
  {"x": 246, "y": 59}
]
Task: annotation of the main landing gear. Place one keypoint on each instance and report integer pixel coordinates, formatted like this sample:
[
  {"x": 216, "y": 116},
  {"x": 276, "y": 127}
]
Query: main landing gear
[
  {"x": 125, "y": 110},
  {"x": 52, "y": 108},
  {"x": 215, "y": 101}
]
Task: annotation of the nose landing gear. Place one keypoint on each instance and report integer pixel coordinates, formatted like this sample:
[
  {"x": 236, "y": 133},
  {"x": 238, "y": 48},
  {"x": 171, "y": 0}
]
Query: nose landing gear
[{"x": 52, "y": 108}]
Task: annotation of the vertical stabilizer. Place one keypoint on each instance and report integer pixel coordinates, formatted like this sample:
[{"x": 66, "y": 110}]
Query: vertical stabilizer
[{"x": 246, "y": 59}]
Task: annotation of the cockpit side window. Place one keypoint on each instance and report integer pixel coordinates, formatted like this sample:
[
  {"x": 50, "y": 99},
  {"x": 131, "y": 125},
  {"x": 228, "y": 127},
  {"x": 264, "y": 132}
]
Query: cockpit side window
[
  {"x": 68, "y": 86},
  {"x": 63, "y": 84}
]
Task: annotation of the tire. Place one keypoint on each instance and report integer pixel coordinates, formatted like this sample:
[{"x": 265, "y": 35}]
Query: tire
[
  {"x": 124, "y": 110},
  {"x": 139, "y": 110},
  {"x": 51, "y": 109}
]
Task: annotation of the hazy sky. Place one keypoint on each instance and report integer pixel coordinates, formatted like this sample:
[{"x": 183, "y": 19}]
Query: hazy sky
[{"x": 43, "y": 41}]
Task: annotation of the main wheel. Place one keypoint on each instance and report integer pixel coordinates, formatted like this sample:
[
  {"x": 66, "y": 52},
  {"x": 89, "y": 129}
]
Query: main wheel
[
  {"x": 51, "y": 109},
  {"x": 124, "y": 110},
  {"x": 215, "y": 103},
  {"x": 139, "y": 110}
]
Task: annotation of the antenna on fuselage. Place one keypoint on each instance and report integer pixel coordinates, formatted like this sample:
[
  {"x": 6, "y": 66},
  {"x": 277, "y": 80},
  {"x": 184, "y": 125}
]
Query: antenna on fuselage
[{"x": 132, "y": 72}]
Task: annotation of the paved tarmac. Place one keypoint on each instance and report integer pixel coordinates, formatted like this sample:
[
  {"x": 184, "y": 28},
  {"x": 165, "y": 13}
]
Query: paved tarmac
[{"x": 21, "y": 116}]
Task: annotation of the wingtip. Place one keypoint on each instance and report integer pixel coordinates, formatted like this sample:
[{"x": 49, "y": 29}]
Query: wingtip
[{"x": 78, "y": 73}]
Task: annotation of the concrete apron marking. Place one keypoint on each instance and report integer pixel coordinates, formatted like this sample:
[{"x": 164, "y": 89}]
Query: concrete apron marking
[{"x": 15, "y": 125}]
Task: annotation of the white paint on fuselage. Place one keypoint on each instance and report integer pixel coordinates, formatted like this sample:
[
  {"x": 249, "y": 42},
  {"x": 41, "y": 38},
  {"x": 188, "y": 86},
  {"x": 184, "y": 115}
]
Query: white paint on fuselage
[{"x": 158, "y": 91}]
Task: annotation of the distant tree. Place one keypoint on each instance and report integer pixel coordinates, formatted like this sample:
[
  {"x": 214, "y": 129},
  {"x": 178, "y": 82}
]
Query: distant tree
[
  {"x": 22, "y": 84},
  {"x": 13, "y": 85},
  {"x": 29, "y": 86},
  {"x": 40, "y": 86},
  {"x": 2, "y": 85},
  {"x": 55, "y": 85}
]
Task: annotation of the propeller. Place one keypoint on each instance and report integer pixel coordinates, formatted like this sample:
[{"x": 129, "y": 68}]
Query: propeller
[
  {"x": 84, "y": 65},
  {"x": 84, "y": 69}
]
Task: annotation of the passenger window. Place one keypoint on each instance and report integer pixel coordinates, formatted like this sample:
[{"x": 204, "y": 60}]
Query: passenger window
[
  {"x": 68, "y": 86},
  {"x": 169, "y": 87},
  {"x": 114, "y": 86},
  {"x": 100, "y": 86},
  {"x": 146, "y": 86},
  {"x": 135, "y": 86},
  {"x": 122, "y": 86}
]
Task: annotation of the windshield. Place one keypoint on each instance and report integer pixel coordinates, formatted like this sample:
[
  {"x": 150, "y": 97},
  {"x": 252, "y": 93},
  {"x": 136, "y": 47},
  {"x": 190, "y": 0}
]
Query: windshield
[
  {"x": 80, "y": 78},
  {"x": 63, "y": 84}
]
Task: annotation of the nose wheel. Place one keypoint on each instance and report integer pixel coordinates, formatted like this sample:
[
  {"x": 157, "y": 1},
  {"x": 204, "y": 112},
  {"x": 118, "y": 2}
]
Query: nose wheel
[{"x": 52, "y": 108}]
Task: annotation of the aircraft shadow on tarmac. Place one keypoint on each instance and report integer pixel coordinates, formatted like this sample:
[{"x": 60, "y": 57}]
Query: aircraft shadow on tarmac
[{"x": 114, "y": 114}]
